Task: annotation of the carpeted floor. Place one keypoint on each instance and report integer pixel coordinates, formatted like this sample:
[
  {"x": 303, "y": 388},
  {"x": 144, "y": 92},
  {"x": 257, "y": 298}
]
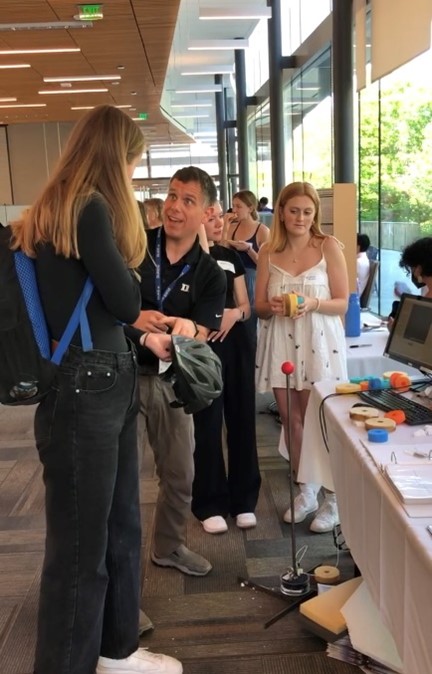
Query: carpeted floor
[{"x": 214, "y": 625}]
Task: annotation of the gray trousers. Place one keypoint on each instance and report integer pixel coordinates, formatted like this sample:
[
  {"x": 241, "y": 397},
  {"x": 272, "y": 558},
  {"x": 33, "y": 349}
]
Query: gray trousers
[{"x": 170, "y": 433}]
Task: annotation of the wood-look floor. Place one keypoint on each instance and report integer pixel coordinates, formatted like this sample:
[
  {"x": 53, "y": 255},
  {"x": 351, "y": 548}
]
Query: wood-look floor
[{"x": 214, "y": 625}]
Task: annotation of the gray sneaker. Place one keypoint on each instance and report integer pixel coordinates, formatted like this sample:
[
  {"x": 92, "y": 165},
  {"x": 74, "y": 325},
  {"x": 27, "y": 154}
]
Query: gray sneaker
[
  {"x": 185, "y": 561},
  {"x": 145, "y": 624}
]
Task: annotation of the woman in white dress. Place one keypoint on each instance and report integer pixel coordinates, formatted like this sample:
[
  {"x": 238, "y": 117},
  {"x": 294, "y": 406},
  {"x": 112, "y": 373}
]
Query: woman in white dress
[{"x": 300, "y": 259}]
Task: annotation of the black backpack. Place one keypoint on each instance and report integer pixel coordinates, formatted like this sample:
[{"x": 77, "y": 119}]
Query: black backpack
[{"x": 27, "y": 367}]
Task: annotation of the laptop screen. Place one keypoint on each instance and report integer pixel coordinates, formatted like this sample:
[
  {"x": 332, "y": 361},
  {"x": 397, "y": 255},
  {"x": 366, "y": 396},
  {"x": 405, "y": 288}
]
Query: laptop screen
[{"x": 410, "y": 340}]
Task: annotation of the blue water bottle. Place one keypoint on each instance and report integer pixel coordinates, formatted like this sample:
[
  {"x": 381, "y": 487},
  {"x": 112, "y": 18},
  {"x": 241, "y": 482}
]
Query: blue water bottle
[{"x": 352, "y": 317}]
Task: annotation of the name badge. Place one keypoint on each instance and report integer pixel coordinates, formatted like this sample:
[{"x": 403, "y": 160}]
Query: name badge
[{"x": 226, "y": 266}]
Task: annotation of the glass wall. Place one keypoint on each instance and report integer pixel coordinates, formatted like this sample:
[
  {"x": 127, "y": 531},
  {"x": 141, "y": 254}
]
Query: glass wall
[
  {"x": 308, "y": 124},
  {"x": 395, "y": 169}
]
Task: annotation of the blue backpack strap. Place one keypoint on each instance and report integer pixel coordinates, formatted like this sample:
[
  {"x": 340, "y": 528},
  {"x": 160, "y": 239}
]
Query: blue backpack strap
[
  {"x": 26, "y": 273},
  {"x": 79, "y": 317}
]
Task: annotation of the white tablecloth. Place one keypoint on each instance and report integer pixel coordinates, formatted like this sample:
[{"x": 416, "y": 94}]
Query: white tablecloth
[
  {"x": 392, "y": 550},
  {"x": 365, "y": 361}
]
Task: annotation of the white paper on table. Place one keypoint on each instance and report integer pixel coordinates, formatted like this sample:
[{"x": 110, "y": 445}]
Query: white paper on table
[
  {"x": 386, "y": 453},
  {"x": 367, "y": 632}
]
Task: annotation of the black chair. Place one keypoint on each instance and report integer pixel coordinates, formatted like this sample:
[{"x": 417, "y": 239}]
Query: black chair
[{"x": 367, "y": 292}]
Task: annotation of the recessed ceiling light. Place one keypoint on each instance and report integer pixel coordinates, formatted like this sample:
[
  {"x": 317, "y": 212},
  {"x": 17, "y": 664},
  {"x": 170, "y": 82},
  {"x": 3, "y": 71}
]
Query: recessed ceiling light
[
  {"x": 72, "y": 91},
  {"x": 192, "y": 105},
  {"x": 15, "y": 65},
  {"x": 191, "y": 116},
  {"x": 6, "y": 100},
  {"x": 204, "y": 90},
  {"x": 82, "y": 107},
  {"x": 213, "y": 70},
  {"x": 59, "y": 50},
  {"x": 123, "y": 106},
  {"x": 249, "y": 12},
  {"x": 206, "y": 45},
  {"x": 83, "y": 78},
  {"x": 25, "y": 105},
  {"x": 44, "y": 25}
]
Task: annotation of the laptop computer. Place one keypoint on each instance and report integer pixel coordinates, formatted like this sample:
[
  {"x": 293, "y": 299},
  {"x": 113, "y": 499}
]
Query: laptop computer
[{"x": 410, "y": 340}]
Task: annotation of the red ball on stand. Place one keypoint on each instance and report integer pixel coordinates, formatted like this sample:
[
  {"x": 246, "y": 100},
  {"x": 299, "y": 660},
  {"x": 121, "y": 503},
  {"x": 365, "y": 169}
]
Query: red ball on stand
[{"x": 288, "y": 367}]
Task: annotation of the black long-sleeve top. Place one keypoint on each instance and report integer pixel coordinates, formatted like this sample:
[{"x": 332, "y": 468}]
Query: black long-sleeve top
[{"x": 116, "y": 297}]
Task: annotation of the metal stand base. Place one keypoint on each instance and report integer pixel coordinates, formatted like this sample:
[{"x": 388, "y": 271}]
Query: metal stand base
[{"x": 277, "y": 593}]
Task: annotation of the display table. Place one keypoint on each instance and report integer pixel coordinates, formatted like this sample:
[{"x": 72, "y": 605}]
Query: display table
[
  {"x": 365, "y": 358},
  {"x": 392, "y": 550}
]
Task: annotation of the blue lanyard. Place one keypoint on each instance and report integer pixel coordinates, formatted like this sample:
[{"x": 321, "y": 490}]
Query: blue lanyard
[{"x": 158, "y": 281}]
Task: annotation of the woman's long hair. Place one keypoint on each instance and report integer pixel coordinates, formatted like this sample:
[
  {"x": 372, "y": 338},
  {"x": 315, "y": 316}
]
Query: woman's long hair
[
  {"x": 94, "y": 161},
  {"x": 278, "y": 234}
]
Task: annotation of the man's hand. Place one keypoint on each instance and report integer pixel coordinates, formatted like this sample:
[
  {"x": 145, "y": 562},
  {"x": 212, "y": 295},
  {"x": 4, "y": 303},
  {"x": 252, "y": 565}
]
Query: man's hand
[
  {"x": 151, "y": 321},
  {"x": 181, "y": 326}
]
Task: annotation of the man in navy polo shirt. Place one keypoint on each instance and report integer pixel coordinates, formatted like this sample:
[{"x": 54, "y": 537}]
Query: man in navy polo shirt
[{"x": 183, "y": 291}]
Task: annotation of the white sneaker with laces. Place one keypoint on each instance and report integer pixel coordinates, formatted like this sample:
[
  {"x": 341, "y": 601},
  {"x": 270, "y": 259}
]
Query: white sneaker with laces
[
  {"x": 327, "y": 516},
  {"x": 140, "y": 662},
  {"x": 304, "y": 504}
]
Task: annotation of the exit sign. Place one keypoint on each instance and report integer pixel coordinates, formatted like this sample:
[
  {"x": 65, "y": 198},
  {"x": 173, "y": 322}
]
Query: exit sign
[
  {"x": 90, "y": 12},
  {"x": 143, "y": 115}
]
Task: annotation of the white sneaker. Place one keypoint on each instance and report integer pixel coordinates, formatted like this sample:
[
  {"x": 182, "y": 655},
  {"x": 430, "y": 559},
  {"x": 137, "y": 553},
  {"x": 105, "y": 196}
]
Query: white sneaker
[
  {"x": 215, "y": 525},
  {"x": 140, "y": 662},
  {"x": 304, "y": 504},
  {"x": 246, "y": 520},
  {"x": 327, "y": 516}
]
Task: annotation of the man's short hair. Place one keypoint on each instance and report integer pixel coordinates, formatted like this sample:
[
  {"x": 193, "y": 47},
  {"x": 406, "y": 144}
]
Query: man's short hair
[
  {"x": 363, "y": 242},
  {"x": 194, "y": 174}
]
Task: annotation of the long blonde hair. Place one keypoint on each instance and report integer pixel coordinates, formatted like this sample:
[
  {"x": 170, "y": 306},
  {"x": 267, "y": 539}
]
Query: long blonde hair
[
  {"x": 278, "y": 234},
  {"x": 94, "y": 161}
]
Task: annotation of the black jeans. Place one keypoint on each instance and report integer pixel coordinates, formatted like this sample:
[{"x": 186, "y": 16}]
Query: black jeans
[{"x": 86, "y": 436}]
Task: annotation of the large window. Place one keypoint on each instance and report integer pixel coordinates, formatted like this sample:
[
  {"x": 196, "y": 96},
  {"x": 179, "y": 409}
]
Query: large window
[
  {"x": 395, "y": 168},
  {"x": 308, "y": 124},
  {"x": 299, "y": 20}
]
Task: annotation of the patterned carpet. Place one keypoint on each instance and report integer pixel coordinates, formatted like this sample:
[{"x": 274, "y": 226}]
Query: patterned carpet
[{"x": 214, "y": 625}]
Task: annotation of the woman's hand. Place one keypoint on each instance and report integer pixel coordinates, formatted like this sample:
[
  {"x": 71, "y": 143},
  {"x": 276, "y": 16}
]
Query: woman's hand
[
  {"x": 160, "y": 345},
  {"x": 277, "y": 305},
  {"x": 242, "y": 246},
  {"x": 229, "y": 319}
]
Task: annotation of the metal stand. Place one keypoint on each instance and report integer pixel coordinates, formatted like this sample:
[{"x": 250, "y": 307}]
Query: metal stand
[{"x": 293, "y": 582}]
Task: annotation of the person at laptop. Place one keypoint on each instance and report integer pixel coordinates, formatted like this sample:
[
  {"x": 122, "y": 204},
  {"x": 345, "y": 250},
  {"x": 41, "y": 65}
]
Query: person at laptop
[{"x": 416, "y": 259}]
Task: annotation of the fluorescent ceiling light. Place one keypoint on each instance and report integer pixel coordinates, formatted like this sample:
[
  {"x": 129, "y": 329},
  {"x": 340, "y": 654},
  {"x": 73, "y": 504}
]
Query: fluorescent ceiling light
[
  {"x": 50, "y": 25},
  {"x": 122, "y": 106},
  {"x": 84, "y": 78},
  {"x": 191, "y": 116},
  {"x": 7, "y": 100},
  {"x": 306, "y": 88},
  {"x": 192, "y": 105},
  {"x": 25, "y": 105},
  {"x": 218, "y": 13},
  {"x": 206, "y": 45},
  {"x": 59, "y": 50},
  {"x": 15, "y": 65},
  {"x": 213, "y": 70},
  {"x": 82, "y": 107},
  {"x": 205, "y": 90},
  {"x": 72, "y": 91}
]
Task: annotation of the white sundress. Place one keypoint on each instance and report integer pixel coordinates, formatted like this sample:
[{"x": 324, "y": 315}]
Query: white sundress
[{"x": 314, "y": 343}]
